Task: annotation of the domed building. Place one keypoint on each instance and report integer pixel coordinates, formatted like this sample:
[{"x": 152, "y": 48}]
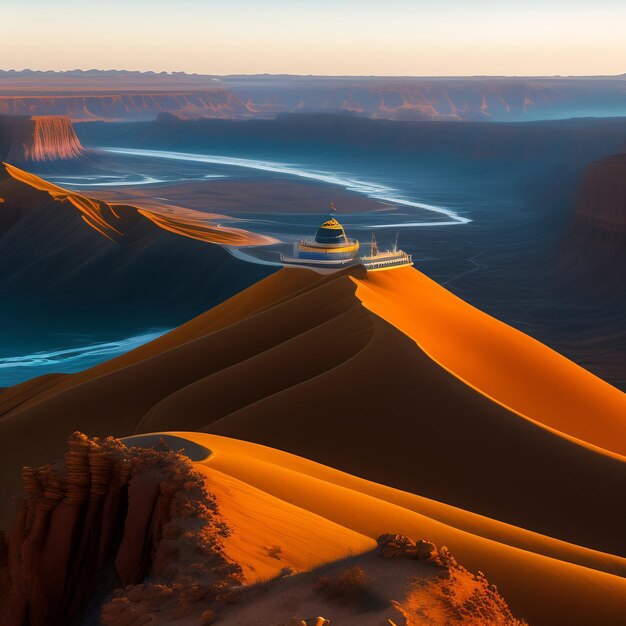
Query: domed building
[
  {"x": 330, "y": 246},
  {"x": 331, "y": 249}
]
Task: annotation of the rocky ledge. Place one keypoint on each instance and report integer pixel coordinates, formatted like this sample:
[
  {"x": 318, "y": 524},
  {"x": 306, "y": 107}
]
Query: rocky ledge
[{"x": 105, "y": 520}]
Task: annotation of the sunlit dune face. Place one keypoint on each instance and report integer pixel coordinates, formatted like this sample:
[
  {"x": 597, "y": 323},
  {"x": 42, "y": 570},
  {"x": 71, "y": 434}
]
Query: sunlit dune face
[
  {"x": 92, "y": 211},
  {"x": 502, "y": 363},
  {"x": 197, "y": 225},
  {"x": 305, "y": 510},
  {"x": 107, "y": 220},
  {"x": 273, "y": 535},
  {"x": 420, "y": 392}
]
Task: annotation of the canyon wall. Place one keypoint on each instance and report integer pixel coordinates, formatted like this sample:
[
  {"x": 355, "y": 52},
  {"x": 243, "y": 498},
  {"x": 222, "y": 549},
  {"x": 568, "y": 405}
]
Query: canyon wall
[
  {"x": 603, "y": 195},
  {"x": 133, "y": 105},
  {"x": 132, "y": 95},
  {"x": 26, "y": 140},
  {"x": 105, "y": 519},
  {"x": 522, "y": 145}
]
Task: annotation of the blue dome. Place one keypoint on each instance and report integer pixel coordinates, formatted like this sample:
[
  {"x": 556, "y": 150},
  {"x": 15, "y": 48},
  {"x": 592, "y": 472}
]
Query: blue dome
[{"x": 331, "y": 231}]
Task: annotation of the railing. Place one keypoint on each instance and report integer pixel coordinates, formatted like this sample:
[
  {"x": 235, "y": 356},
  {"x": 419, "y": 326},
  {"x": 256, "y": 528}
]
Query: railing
[{"x": 406, "y": 259}]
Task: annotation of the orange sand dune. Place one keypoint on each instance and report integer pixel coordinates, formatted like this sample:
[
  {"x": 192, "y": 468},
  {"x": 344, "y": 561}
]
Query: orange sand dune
[
  {"x": 388, "y": 377},
  {"x": 504, "y": 364},
  {"x": 111, "y": 219},
  {"x": 303, "y": 510},
  {"x": 271, "y": 533},
  {"x": 97, "y": 214},
  {"x": 158, "y": 519},
  {"x": 328, "y": 379},
  {"x": 202, "y": 226}
]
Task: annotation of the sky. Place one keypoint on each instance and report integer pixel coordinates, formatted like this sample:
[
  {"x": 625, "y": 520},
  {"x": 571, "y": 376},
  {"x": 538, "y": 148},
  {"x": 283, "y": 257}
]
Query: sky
[{"x": 349, "y": 37}]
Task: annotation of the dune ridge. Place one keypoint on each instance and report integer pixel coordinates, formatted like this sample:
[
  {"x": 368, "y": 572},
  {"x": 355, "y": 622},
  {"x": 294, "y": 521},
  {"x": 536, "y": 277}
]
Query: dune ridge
[
  {"x": 132, "y": 531},
  {"x": 506, "y": 365},
  {"x": 400, "y": 387},
  {"x": 533, "y": 583},
  {"x": 108, "y": 218},
  {"x": 373, "y": 400}
]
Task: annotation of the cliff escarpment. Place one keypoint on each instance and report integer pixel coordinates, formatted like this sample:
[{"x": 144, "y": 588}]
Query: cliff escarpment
[
  {"x": 120, "y": 535},
  {"x": 218, "y": 103},
  {"x": 401, "y": 143},
  {"x": 25, "y": 140},
  {"x": 106, "y": 518},
  {"x": 132, "y": 95},
  {"x": 594, "y": 247}
]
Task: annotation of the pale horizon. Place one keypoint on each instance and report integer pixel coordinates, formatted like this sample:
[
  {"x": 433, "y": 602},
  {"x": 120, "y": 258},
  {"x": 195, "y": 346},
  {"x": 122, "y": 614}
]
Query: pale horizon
[
  {"x": 303, "y": 75},
  {"x": 401, "y": 38}
]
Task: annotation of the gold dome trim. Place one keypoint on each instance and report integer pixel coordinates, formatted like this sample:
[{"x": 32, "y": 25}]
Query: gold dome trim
[{"x": 332, "y": 223}]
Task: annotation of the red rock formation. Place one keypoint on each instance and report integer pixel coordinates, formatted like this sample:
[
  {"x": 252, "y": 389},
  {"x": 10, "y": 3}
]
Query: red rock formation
[
  {"x": 141, "y": 520},
  {"x": 480, "y": 604},
  {"x": 38, "y": 139},
  {"x": 594, "y": 247},
  {"x": 109, "y": 516},
  {"x": 393, "y": 546}
]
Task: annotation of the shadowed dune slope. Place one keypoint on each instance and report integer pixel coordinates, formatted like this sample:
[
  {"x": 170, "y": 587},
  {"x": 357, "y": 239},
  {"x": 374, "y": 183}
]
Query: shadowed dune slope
[
  {"x": 499, "y": 361},
  {"x": 108, "y": 219},
  {"x": 71, "y": 263},
  {"x": 187, "y": 543},
  {"x": 331, "y": 380},
  {"x": 535, "y": 573}
]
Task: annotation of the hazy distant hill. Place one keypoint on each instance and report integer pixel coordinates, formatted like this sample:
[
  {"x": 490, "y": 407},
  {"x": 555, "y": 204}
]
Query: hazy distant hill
[
  {"x": 579, "y": 140},
  {"x": 140, "y": 95}
]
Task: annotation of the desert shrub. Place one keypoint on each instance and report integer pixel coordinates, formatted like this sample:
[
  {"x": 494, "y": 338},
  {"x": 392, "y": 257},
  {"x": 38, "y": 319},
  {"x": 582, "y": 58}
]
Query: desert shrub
[{"x": 349, "y": 587}]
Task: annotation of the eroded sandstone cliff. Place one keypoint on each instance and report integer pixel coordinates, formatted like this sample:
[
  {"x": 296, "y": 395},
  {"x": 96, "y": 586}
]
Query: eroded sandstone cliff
[
  {"x": 104, "y": 519},
  {"x": 38, "y": 140}
]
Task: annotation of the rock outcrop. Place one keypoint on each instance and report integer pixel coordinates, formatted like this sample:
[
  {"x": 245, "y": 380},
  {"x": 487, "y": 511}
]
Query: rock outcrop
[
  {"x": 25, "y": 140},
  {"x": 403, "y": 582},
  {"x": 464, "y": 598},
  {"x": 108, "y": 517},
  {"x": 594, "y": 247},
  {"x": 394, "y": 546}
]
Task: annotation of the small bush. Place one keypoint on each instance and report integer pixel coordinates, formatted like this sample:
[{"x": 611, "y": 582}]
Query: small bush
[{"x": 349, "y": 587}]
